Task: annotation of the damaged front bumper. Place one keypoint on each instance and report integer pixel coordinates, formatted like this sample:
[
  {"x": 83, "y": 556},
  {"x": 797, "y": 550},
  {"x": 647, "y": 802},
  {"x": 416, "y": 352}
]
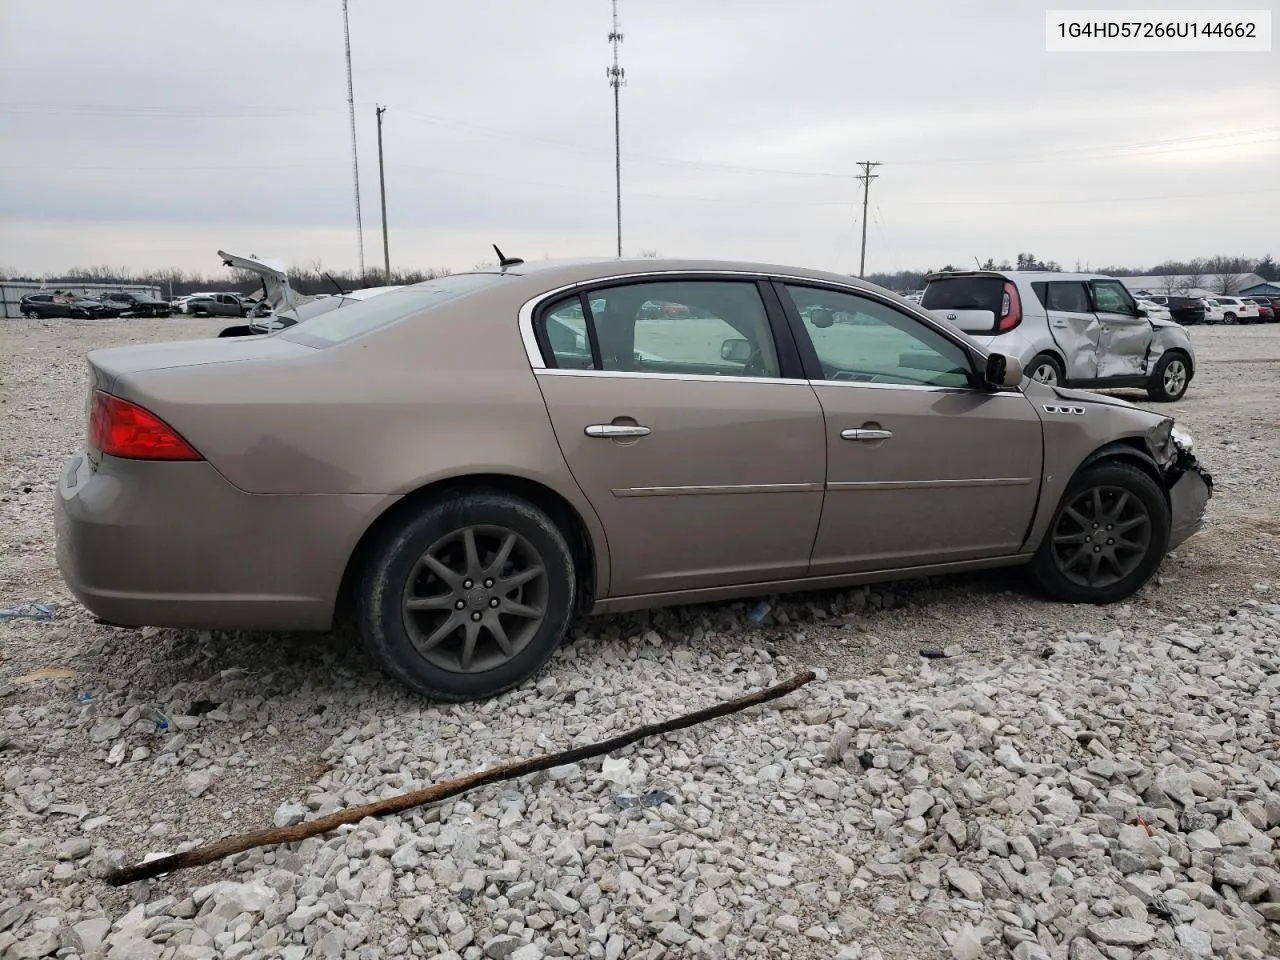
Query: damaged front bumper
[{"x": 1190, "y": 488}]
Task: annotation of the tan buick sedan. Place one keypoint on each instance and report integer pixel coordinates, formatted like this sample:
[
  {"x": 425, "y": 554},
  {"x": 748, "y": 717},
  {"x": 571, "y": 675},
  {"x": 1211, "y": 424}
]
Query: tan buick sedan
[{"x": 468, "y": 463}]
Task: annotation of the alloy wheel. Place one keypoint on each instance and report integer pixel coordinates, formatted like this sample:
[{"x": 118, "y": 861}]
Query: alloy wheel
[
  {"x": 475, "y": 599},
  {"x": 1175, "y": 378},
  {"x": 1101, "y": 537},
  {"x": 1045, "y": 373}
]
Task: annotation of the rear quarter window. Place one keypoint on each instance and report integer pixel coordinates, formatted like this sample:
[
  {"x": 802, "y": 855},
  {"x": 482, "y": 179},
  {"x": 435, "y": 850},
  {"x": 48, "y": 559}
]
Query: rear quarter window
[{"x": 365, "y": 316}]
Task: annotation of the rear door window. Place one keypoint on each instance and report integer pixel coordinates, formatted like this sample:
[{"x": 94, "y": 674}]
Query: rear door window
[{"x": 1067, "y": 298}]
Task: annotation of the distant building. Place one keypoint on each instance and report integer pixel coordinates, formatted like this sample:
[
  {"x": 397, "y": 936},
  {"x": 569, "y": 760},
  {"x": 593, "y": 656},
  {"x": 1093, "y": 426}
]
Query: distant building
[
  {"x": 1186, "y": 284},
  {"x": 1270, "y": 288}
]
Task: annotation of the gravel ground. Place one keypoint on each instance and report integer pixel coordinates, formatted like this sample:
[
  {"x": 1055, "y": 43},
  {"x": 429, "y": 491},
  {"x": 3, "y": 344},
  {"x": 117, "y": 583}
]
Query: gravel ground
[{"x": 1070, "y": 782}]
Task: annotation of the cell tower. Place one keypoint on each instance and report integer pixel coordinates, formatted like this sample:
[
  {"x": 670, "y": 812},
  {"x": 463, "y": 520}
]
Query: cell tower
[
  {"x": 355, "y": 160},
  {"x": 617, "y": 79}
]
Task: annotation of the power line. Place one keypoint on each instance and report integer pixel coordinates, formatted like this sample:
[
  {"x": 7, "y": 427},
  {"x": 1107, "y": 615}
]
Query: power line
[
  {"x": 866, "y": 177},
  {"x": 617, "y": 79},
  {"x": 355, "y": 159}
]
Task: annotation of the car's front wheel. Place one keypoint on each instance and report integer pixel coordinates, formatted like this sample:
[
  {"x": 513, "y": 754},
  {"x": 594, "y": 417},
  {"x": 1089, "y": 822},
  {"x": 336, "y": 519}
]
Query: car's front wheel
[
  {"x": 31, "y": 314},
  {"x": 1228, "y": 318},
  {"x": 1107, "y": 537},
  {"x": 467, "y": 597},
  {"x": 1170, "y": 379},
  {"x": 1045, "y": 368}
]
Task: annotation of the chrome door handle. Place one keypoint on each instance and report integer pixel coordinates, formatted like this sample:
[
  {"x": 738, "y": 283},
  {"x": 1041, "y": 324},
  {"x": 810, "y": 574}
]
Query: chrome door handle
[
  {"x": 863, "y": 434},
  {"x": 614, "y": 430},
  {"x": 1058, "y": 323}
]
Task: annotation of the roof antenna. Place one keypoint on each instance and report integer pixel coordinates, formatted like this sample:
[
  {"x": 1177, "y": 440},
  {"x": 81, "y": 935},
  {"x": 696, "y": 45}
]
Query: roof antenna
[{"x": 504, "y": 261}]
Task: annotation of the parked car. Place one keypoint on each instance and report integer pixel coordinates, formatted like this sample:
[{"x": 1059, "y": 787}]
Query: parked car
[
  {"x": 1070, "y": 329},
  {"x": 1266, "y": 312},
  {"x": 215, "y": 305},
  {"x": 180, "y": 303},
  {"x": 1235, "y": 310},
  {"x": 1155, "y": 311},
  {"x": 281, "y": 306},
  {"x": 46, "y": 305},
  {"x": 468, "y": 463},
  {"x": 1184, "y": 310},
  {"x": 132, "y": 304}
]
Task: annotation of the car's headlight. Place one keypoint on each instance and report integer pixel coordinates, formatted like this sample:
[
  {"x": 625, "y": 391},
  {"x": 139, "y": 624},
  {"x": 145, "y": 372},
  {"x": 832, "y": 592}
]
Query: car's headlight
[{"x": 1182, "y": 438}]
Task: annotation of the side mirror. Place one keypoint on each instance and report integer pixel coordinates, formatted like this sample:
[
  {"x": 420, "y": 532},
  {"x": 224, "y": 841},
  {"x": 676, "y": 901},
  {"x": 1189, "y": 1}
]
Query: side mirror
[
  {"x": 735, "y": 350},
  {"x": 1141, "y": 311},
  {"x": 1002, "y": 372}
]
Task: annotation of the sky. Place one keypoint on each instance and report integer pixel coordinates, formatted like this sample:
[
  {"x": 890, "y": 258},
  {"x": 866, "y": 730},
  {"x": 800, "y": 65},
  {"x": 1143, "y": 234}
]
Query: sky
[{"x": 149, "y": 134}]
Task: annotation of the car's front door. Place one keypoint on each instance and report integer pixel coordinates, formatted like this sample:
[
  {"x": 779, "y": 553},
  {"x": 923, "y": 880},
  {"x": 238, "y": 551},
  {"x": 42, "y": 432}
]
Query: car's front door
[
  {"x": 690, "y": 430},
  {"x": 1074, "y": 327},
  {"x": 923, "y": 465},
  {"x": 1126, "y": 337}
]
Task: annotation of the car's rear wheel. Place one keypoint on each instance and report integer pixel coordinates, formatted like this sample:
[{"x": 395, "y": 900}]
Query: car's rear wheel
[
  {"x": 1107, "y": 537},
  {"x": 1170, "y": 379},
  {"x": 469, "y": 596},
  {"x": 1045, "y": 368}
]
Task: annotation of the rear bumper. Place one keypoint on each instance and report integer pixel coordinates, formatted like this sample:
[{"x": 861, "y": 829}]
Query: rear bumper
[
  {"x": 1188, "y": 498},
  {"x": 176, "y": 545}
]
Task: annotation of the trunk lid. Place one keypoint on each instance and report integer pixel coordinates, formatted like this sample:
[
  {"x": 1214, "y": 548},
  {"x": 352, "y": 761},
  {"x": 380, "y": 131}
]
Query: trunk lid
[{"x": 107, "y": 366}]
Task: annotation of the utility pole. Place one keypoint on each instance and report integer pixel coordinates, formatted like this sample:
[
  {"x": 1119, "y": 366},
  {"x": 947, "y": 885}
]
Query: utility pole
[
  {"x": 382, "y": 184},
  {"x": 617, "y": 79},
  {"x": 866, "y": 177},
  {"x": 355, "y": 160}
]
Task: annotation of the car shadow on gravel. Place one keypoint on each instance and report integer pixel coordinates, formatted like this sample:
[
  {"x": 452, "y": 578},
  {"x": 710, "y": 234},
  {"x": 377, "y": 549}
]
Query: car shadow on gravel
[{"x": 197, "y": 665}]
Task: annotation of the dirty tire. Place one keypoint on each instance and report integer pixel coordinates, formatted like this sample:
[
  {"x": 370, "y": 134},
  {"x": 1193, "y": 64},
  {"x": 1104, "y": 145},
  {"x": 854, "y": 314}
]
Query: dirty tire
[
  {"x": 1166, "y": 387},
  {"x": 394, "y": 560},
  {"x": 1228, "y": 318},
  {"x": 1043, "y": 366},
  {"x": 31, "y": 315},
  {"x": 1136, "y": 483}
]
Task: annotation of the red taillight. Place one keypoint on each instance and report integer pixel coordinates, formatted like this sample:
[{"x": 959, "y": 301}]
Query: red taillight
[
  {"x": 1010, "y": 309},
  {"x": 123, "y": 429}
]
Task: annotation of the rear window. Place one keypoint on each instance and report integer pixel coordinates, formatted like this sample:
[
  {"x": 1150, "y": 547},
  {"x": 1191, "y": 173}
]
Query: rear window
[
  {"x": 964, "y": 293},
  {"x": 364, "y": 316}
]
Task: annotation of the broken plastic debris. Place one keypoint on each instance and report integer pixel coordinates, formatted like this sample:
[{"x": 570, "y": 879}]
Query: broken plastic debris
[
  {"x": 651, "y": 799},
  {"x": 162, "y": 722},
  {"x": 26, "y": 611},
  {"x": 759, "y": 611}
]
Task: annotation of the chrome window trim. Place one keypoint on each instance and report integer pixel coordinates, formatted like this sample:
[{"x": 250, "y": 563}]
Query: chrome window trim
[
  {"x": 530, "y": 306},
  {"x": 641, "y": 375},
  {"x": 790, "y": 381}
]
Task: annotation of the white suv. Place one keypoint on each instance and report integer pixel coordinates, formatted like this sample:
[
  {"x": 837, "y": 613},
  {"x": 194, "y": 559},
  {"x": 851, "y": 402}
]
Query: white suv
[
  {"x": 1068, "y": 329},
  {"x": 1235, "y": 310}
]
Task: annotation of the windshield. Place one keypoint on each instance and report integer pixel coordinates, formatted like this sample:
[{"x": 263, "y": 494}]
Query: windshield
[{"x": 358, "y": 317}]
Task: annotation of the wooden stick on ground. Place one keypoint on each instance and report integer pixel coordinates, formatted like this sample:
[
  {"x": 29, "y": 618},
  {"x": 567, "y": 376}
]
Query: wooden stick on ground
[{"x": 210, "y": 852}]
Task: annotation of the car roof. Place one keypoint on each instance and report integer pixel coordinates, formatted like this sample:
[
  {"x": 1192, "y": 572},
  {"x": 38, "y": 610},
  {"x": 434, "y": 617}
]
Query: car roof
[
  {"x": 577, "y": 270},
  {"x": 1039, "y": 276}
]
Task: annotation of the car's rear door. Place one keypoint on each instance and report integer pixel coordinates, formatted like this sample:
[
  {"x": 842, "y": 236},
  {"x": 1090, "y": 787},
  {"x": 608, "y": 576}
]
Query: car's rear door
[
  {"x": 691, "y": 431},
  {"x": 1073, "y": 325},
  {"x": 1125, "y": 339},
  {"x": 923, "y": 467}
]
